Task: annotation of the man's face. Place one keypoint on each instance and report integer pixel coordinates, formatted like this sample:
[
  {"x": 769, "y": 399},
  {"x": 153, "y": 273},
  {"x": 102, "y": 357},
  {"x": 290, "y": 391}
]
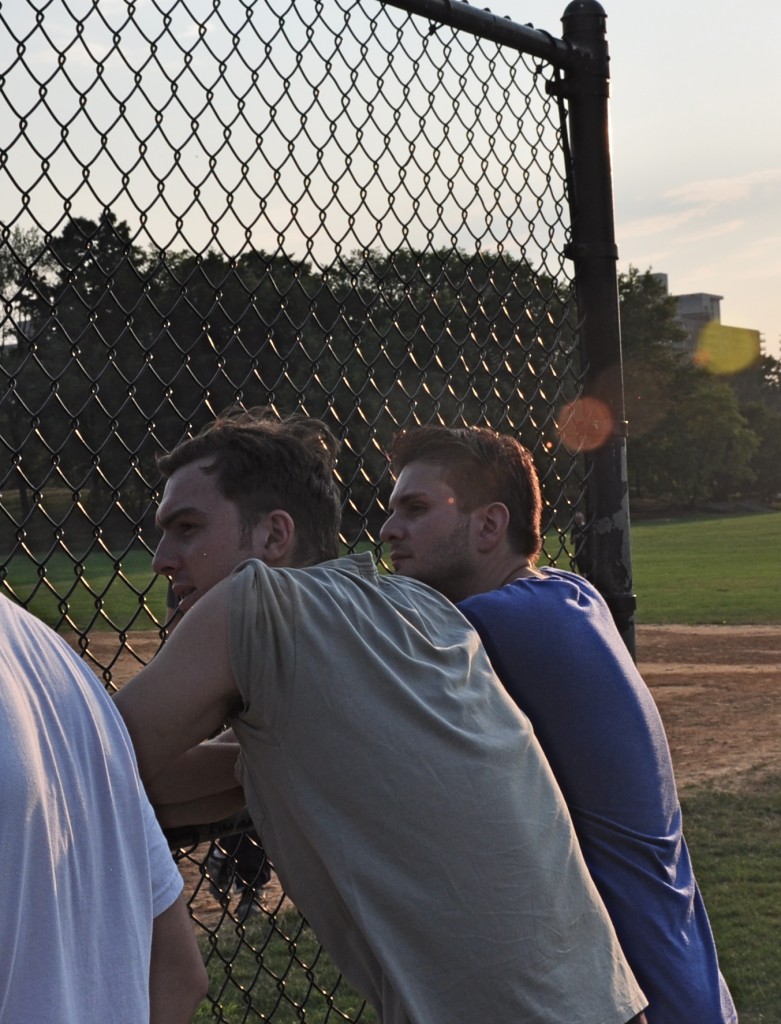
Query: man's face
[
  {"x": 430, "y": 538},
  {"x": 201, "y": 530}
]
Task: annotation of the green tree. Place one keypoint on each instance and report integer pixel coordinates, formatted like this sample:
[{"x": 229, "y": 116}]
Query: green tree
[
  {"x": 125, "y": 351},
  {"x": 445, "y": 334},
  {"x": 760, "y": 383},
  {"x": 688, "y": 439},
  {"x": 765, "y": 422},
  {"x": 76, "y": 370},
  {"x": 465, "y": 335},
  {"x": 26, "y": 268},
  {"x": 650, "y": 336},
  {"x": 715, "y": 461},
  {"x": 759, "y": 392},
  {"x": 231, "y": 329},
  {"x": 100, "y": 329}
]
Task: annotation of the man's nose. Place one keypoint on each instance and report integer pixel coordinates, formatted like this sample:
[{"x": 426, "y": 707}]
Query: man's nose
[
  {"x": 389, "y": 529},
  {"x": 163, "y": 560}
]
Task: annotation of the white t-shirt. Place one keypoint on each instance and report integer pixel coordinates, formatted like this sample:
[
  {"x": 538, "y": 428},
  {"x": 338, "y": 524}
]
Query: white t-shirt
[{"x": 85, "y": 866}]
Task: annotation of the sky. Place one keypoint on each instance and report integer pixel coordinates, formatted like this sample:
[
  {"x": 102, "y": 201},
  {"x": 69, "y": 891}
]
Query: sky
[
  {"x": 696, "y": 145},
  {"x": 695, "y": 92}
]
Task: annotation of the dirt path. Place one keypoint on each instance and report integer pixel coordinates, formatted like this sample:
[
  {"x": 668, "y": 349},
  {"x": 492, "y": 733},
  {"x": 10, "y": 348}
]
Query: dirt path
[{"x": 718, "y": 689}]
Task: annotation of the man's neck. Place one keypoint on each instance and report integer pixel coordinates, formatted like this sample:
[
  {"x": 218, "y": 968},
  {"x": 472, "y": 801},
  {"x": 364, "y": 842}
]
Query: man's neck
[
  {"x": 520, "y": 571},
  {"x": 499, "y": 573}
]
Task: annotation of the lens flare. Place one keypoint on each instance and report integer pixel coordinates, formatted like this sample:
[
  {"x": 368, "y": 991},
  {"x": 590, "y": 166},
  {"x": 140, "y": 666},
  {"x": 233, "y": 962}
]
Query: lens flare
[
  {"x": 585, "y": 424},
  {"x": 725, "y": 350}
]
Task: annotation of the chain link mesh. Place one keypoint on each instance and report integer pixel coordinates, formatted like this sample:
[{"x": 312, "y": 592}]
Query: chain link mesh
[{"x": 331, "y": 207}]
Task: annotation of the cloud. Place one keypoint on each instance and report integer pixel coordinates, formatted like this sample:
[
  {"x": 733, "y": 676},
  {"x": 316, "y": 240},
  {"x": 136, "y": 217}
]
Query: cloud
[
  {"x": 656, "y": 225},
  {"x": 748, "y": 196},
  {"x": 725, "y": 227},
  {"x": 760, "y": 258},
  {"x": 667, "y": 222},
  {"x": 710, "y": 192}
]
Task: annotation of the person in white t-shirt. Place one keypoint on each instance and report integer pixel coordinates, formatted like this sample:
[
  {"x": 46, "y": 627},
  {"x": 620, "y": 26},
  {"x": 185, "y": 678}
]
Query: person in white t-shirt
[{"x": 93, "y": 924}]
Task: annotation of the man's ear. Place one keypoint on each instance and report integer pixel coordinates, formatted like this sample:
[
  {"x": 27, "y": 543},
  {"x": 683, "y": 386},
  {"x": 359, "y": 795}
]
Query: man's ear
[
  {"x": 493, "y": 521},
  {"x": 280, "y": 538}
]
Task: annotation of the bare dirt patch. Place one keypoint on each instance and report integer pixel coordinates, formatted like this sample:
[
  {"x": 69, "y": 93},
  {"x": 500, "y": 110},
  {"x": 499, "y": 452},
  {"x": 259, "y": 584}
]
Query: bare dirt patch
[{"x": 718, "y": 689}]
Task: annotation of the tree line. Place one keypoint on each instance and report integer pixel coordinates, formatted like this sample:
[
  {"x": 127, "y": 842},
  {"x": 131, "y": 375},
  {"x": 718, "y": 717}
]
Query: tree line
[
  {"x": 111, "y": 352},
  {"x": 694, "y": 437}
]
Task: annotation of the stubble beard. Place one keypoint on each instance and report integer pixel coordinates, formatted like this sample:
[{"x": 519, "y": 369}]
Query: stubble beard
[{"x": 452, "y": 563}]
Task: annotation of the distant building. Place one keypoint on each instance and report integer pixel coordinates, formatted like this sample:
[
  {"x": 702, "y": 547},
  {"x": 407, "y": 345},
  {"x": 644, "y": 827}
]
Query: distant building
[
  {"x": 696, "y": 311},
  {"x": 699, "y": 314}
]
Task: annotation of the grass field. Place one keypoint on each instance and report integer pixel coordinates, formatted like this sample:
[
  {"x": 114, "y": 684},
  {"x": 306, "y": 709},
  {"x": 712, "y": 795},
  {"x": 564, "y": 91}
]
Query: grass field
[
  {"x": 105, "y": 594},
  {"x": 735, "y": 843},
  {"x": 724, "y": 570},
  {"x": 290, "y": 978}
]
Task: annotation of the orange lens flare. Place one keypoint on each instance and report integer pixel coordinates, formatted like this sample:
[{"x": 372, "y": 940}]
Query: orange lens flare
[{"x": 585, "y": 424}]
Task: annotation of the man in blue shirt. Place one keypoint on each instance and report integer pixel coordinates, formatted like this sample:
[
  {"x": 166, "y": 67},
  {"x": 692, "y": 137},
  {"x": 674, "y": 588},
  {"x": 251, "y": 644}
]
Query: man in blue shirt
[{"x": 465, "y": 518}]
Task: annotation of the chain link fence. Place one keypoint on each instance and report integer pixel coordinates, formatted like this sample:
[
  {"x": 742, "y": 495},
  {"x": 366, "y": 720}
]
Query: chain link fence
[{"x": 344, "y": 207}]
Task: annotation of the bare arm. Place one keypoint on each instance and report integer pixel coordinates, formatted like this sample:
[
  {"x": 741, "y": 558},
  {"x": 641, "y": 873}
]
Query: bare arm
[
  {"x": 199, "y": 772},
  {"x": 202, "y": 810},
  {"x": 177, "y": 977},
  {"x": 180, "y": 699}
]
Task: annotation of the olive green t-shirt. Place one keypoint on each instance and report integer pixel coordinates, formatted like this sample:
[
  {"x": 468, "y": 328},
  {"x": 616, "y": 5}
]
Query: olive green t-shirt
[{"x": 407, "y": 807}]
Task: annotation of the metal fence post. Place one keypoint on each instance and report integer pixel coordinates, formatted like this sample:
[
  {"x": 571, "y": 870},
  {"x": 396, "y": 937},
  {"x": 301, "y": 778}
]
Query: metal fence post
[{"x": 593, "y": 250}]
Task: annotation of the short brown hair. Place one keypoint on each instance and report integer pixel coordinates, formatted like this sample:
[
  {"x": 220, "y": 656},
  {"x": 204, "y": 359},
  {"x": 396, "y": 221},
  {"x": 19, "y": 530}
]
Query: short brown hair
[
  {"x": 481, "y": 466},
  {"x": 263, "y": 462}
]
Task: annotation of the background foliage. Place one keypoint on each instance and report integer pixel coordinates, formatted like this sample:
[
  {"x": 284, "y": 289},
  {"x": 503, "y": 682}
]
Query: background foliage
[
  {"x": 693, "y": 437},
  {"x": 112, "y": 353}
]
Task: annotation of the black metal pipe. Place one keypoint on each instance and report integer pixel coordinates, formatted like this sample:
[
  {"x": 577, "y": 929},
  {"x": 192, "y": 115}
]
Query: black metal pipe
[
  {"x": 485, "y": 25},
  {"x": 593, "y": 249}
]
